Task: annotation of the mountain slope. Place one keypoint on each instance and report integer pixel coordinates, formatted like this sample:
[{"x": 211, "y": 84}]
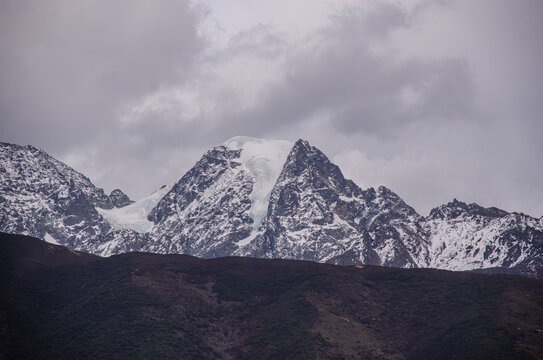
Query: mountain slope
[
  {"x": 59, "y": 304},
  {"x": 316, "y": 214},
  {"x": 467, "y": 237},
  {"x": 220, "y": 201},
  {"x": 41, "y": 196}
]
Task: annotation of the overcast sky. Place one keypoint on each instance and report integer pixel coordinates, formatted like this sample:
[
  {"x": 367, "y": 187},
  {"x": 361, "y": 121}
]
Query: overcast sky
[{"x": 434, "y": 99}]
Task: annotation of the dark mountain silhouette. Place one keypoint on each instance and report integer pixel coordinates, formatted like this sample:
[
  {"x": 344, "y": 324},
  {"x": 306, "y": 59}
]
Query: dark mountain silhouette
[{"x": 56, "y": 303}]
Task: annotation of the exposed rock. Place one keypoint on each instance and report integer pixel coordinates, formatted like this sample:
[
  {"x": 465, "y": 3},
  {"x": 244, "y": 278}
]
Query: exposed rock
[{"x": 119, "y": 198}]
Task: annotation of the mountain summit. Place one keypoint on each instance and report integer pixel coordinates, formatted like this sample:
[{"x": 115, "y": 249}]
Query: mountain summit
[{"x": 262, "y": 198}]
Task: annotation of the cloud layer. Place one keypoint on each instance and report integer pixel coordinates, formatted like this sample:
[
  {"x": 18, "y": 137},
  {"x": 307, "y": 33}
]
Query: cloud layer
[{"x": 435, "y": 100}]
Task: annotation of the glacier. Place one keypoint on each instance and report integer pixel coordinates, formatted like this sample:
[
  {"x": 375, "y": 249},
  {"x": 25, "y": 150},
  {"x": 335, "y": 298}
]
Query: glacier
[
  {"x": 134, "y": 216},
  {"x": 264, "y": 160}
]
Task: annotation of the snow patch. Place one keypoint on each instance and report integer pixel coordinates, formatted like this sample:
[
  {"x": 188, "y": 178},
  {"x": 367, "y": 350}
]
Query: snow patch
[
  {"x": 134, "y": 216},
  {"x": 248, "y": 239},
  {"x": 51, "y": 240}
]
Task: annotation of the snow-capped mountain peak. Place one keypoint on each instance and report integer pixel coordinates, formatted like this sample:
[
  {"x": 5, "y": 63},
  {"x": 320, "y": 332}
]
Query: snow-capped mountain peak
[{"x": 261, "y": 198}]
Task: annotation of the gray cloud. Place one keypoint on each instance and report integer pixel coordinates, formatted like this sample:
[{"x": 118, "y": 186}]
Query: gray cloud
[
  {"x": 67, "y": 66},
  {"x": 337, "y": 74},
  {"x": 437, "y": 101}
]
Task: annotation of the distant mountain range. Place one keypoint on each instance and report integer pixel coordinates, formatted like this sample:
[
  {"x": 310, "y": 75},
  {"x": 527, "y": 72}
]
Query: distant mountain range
[
  {"x": 56, "y": 303},
  {"x": 267, "y": 199}
]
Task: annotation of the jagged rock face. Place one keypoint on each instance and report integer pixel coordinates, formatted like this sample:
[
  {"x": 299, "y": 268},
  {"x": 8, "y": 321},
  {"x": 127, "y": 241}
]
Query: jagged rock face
[
  {"x": 119, "y": 199},
  {"x": 457, "y": 208},
  {"x": 218, "y": 203},
  {"x": 316, "y": 214},
  {"x": 466, "y": 237},
  {"x": 207, "y": 211},
  {"x": 302, "y": 221},
  {"x": 396, "y": 229},
  {"x": 40, "y": 196}
]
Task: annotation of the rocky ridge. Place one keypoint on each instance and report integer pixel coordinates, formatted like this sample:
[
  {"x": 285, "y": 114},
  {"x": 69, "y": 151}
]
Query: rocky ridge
[
  {"x": 316, "y": 214},
  {"x": 42, "y": 197},
  {"x": 262, "y": 198}
]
